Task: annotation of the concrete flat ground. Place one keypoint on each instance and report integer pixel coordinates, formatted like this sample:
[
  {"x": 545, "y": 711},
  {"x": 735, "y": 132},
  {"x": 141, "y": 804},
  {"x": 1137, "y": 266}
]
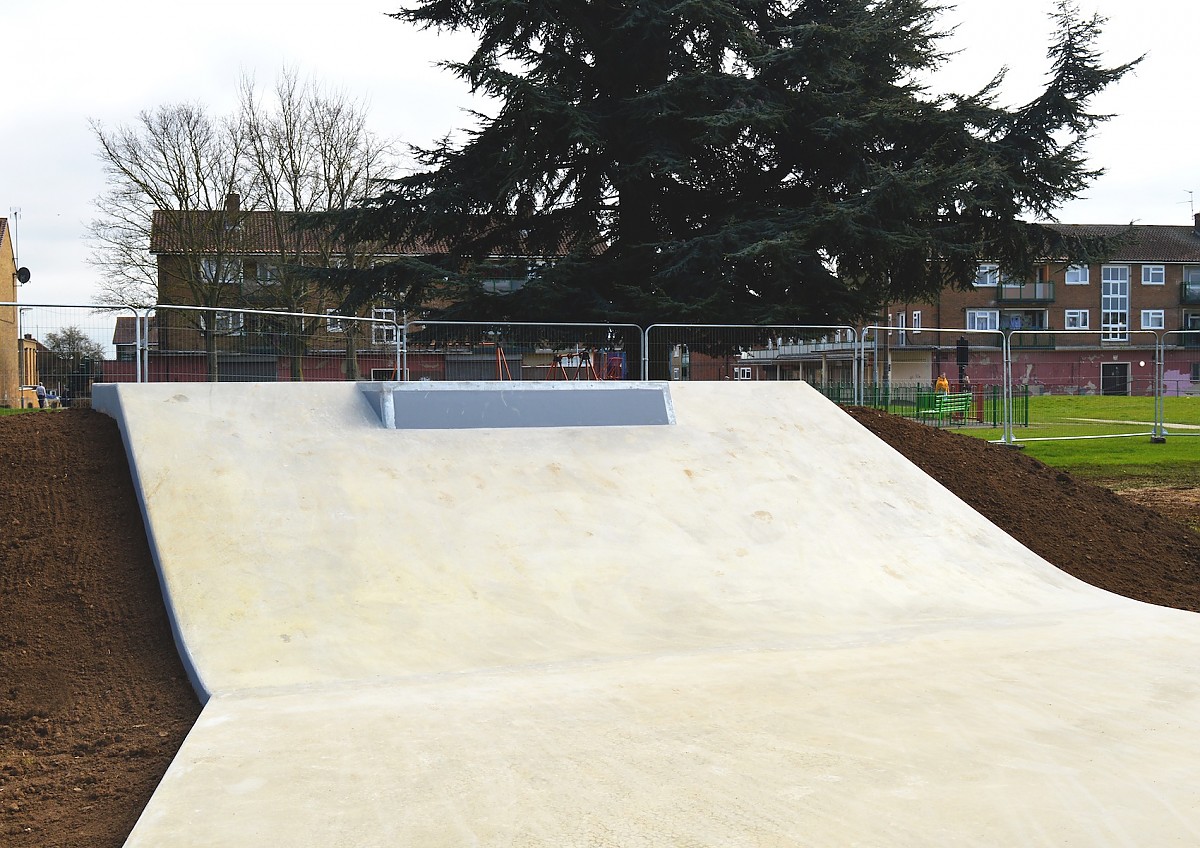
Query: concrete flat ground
[{"x": 755, "y": 625}]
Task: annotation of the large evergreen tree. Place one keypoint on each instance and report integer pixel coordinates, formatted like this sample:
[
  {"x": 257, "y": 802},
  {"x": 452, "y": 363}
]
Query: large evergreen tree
[{"x": 737, "y": 160}]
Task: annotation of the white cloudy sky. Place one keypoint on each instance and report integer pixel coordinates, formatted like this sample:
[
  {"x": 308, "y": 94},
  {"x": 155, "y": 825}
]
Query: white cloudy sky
[{"x": 70, "y": 61}]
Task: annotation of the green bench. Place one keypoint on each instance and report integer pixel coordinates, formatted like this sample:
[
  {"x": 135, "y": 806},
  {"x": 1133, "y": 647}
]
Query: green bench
[{"x": 943, "y": 406}]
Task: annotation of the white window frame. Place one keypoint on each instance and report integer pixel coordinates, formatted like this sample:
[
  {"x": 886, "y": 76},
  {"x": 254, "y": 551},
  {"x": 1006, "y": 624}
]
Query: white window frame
[
  {"x": 988, "y": 274},
  {"x": 1154, "y": 319},
  {"x": 1154, "y": 275},
  {"x": 742, "y": 372},
  {"x": 916, "y": 321},
  {"x": 334, "y": 324},
  {"x": 1114, "y": 303},
  {"x": 266, "y": 274},
  {"x": 1076, "y": 319},
  {"x": 1077, "y": 275},
  {"x": 990, "y": 319},
  {"x": 221, "y": 272},
  {"x": 382, "y": 334},
  {"x": 225, "y": 322},
  {"x": 1114, "y": 273}
]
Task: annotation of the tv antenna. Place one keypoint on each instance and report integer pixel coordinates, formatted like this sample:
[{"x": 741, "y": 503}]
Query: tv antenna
[{"x": 22, "y": 274}]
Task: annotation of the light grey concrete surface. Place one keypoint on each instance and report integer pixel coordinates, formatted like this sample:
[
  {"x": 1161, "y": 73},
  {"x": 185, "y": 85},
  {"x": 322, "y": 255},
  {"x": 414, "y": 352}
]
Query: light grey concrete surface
[{"x": 756, "y": 626}]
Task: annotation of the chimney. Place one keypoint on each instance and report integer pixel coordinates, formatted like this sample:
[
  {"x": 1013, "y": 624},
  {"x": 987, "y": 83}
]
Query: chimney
[
  {"x": 1196, "y": 222},
  {"x": 233, "y": 203}
]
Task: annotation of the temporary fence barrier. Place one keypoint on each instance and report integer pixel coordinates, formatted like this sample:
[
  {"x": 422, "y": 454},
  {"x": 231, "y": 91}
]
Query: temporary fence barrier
[
  {"x": 480, "y": 350},
  {"x": 1179, "y": 377},
  {"x": 823, "y": 355},
  {"x": 65, "y": 348},
  {"x": 1054, "y": 365},
  {"x": 1004, "y": 379},
  {"x": 901, "y": 366},
  {"x": 191, "y": 344}
]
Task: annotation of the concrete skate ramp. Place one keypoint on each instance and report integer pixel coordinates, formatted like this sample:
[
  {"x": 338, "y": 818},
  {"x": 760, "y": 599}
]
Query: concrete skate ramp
[{"x": 757, "y": 625}]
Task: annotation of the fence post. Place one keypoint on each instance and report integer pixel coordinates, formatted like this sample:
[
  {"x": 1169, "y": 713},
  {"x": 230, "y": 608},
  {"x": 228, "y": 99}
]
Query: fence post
[
  {"x": 1007, "y": 389},
  {"x": 1159, "y": 436},
  {"x": 402, "y": 348}
]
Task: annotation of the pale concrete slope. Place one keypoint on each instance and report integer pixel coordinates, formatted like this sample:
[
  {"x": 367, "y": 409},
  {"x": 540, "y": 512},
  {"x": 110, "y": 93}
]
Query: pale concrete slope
[
  {"x": 302, "y": 543},
  {"x": 758, "y": 626}
]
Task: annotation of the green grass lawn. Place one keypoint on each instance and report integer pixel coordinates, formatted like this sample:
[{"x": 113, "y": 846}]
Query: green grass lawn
[{"x": 1115, "y": 461}]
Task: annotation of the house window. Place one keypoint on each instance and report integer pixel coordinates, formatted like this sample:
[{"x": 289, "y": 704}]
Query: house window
[
  {"x": 1195, "y": 372},
  {"x": 334, "y": 324},
  {"x": 983, "y": 319},
  {"x": 502, "y": 285},
  {"x": 1077, "y": 275},
  {"x": 1152, "y": 319},
  {"x": 223, "y": 323},
  {"x": 1154, "y": 275},
  {"x": 220, "y": 272},
  {"x": 742, "y": 373},
  {"x": 988, "y": 275},
  {"x": 383, "y": 333},
  {"x": 267, "y": 274},
  {"x": 1076, "y": 319},
  {"x": 916, "y": 321},
  {"x": 1114, "y": 303},
  {"x": 1191, "y": 274}
]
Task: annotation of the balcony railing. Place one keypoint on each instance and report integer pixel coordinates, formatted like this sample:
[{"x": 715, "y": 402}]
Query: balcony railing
[
  {"x": 1189, "y": 291},
  {"x": 1025, "y": 292},
  {"x": 1033, "y": 341}
]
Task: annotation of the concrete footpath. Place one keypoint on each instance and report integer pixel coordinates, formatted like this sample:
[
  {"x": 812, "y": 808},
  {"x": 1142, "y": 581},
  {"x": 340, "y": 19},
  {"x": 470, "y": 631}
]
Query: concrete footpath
[{"x": 745, "y": 621}]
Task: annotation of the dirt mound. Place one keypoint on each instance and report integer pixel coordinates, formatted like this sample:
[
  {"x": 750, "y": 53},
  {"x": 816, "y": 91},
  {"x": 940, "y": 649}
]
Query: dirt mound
[{"x": 93, "y": 699}]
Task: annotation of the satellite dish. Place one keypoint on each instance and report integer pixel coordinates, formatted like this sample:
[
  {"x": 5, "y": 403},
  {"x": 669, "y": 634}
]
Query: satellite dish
[{"x": 22, "y": 275}]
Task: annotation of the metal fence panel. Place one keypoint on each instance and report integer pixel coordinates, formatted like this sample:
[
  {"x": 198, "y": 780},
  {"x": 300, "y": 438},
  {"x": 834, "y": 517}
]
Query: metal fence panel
[
  {"x": 66, "y": 348},
  {"x": 1086, "y": 385},
  {"x": 480, "y": 350},
  {"x": 1179, "y": 377},
  {"x": 192, "y": 344},
  {"x": 824, "y": 356}
]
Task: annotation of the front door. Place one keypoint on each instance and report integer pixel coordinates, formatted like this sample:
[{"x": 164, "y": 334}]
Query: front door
[{"x": 1114, "y": 378}]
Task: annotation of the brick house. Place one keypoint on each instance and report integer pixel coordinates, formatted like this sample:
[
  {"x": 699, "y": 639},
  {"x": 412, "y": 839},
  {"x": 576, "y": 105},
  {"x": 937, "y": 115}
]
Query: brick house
[
  {"x": 13, "y": 348},
  {"x": 233, "y": 260},
  {"x": 1113, "y": 310}
]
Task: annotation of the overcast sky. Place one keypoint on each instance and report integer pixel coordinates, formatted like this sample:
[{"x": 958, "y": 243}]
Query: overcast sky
[{"x": 71, "y": 61}]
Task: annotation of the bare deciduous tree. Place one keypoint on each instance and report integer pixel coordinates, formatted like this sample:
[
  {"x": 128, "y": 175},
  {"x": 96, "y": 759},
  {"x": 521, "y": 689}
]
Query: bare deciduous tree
[
  {"x": 194, "y": 179},
  {"x": 176, "y": 159},
  {"x": 309, "y": 150}
]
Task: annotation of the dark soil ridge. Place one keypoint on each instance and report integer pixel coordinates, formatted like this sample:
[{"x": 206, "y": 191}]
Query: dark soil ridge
[{"x": 94, "y": 702}]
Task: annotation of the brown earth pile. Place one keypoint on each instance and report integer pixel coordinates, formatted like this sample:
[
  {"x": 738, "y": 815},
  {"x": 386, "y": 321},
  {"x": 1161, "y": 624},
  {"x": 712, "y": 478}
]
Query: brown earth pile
[{"x": 93, "y": 699}]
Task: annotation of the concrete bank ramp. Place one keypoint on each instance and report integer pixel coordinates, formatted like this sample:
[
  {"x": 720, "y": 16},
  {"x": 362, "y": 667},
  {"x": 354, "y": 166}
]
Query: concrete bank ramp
[{"x": 742, "y": 620}]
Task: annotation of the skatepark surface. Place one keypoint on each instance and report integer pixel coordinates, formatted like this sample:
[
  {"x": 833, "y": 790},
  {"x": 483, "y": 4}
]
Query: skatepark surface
[{"x": 749, "y": 623}]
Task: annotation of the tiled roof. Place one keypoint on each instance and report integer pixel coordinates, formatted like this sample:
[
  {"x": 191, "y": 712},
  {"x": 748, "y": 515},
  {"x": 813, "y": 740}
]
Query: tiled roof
[
  {"x": 1143, "y": 242},
  {"x": 257, "y": 233}
]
